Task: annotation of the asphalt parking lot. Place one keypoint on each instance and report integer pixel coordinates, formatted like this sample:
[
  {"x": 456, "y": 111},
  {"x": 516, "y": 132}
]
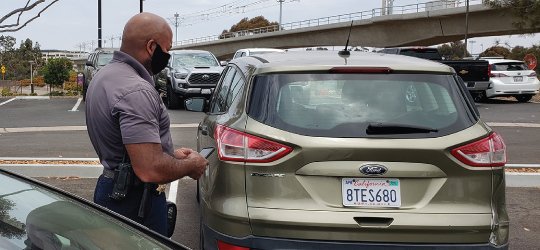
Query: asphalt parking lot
[{"x": 56, "y": 128}]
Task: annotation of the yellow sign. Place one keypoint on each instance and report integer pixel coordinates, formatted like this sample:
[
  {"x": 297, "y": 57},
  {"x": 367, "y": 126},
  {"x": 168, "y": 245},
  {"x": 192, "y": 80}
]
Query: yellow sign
[{"x": 3, "y": 70}]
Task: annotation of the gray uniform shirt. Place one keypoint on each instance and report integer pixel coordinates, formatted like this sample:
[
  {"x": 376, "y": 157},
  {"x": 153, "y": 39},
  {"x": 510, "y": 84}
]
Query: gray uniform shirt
[{"x": 123, "y": 107}]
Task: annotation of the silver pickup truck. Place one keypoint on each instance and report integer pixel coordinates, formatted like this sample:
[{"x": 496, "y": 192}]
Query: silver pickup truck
[{"x": 189, "y": 73}]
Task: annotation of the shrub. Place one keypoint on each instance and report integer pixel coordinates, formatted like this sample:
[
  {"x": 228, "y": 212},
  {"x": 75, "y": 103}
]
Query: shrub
[
  {"x": 33, "y": 94},
  {"x": 6, "y": 92}
]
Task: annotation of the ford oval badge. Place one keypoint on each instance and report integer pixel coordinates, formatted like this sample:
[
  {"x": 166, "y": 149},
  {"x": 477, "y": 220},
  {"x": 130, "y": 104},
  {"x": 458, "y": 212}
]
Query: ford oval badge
[{"x": 373, "y": 169}]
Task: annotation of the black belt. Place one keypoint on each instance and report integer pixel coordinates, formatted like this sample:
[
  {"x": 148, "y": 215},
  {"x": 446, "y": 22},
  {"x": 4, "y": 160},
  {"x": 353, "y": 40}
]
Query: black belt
[{"x": 113, "y": 174}]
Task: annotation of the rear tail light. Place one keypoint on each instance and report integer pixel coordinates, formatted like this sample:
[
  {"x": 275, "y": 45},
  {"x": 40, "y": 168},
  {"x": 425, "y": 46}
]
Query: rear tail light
[
  {"x": 372, "y": 70},
  {"x": 498, "y": 75},
  {"x": 488, "y": 152},
  {"x": 234, "y": 145},
  {"x": 225, "y": 246},
  {"x": 533, "y": 74},
  {"x": 489, "y": 70}
]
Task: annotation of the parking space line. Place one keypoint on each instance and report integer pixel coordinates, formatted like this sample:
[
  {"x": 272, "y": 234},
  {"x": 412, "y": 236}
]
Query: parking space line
[
  {"x": 12, "y": 99},
  {"x": 76, "y": 105}
]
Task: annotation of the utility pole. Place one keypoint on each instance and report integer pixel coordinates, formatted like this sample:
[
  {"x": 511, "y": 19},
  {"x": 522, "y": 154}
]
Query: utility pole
[
  {"x": 99, "y": 23},
  {"x": 176, "y": 24},
  {"x": 31, "y": 76},
  {"x": 466, "y": 28},
  {"x": 280, "y": 11}
]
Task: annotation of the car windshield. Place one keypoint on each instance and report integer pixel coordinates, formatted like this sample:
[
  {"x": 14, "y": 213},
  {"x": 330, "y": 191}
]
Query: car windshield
[
  {"x": 345, "y": 105},
  {"x": 510, "y": 66},
  {"x": 194, "y": 60},
  {"x": 32, "y": 217},
  {"x": 104, "y": 58}
]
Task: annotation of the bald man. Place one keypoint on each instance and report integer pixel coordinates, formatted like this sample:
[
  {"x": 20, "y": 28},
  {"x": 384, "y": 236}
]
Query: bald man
[{"x": 128, "y": 122}]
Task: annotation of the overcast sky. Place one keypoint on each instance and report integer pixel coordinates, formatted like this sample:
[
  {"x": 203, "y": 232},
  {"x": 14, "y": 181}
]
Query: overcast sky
[{"x": 67, "y": 23}]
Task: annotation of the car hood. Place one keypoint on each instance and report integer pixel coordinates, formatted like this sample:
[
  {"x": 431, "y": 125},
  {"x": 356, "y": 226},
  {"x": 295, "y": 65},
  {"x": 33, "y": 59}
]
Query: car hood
[{"x": 216, "y": 69}]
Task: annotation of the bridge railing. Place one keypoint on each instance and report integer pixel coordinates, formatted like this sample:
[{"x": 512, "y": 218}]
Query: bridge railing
[{"x": 395, "y": 10}]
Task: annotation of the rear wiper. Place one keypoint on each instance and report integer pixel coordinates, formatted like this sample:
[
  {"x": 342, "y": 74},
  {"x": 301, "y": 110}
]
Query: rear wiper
[{"x": 393, "y": 128}]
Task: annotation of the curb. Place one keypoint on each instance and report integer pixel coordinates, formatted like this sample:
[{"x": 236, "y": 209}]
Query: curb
[
  {"x": 94, "y": 171},
  {"x": 32, "y": 97}
]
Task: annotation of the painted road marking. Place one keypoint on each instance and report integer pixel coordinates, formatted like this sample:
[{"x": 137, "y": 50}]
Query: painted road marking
[
  {"x": 10, "y": 100},
  {"x": 73, "y": 128},
  {"x": 76, "y": 105}
]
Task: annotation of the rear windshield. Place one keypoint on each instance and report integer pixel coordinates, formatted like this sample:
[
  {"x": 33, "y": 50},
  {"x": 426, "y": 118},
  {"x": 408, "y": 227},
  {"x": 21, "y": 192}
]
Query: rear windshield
[
  {"x": 431, "y": 54},
  {"x": 511, "y": 66},
  {"x": 344, "y": 105},
  {"x": 194, "y": 60}
]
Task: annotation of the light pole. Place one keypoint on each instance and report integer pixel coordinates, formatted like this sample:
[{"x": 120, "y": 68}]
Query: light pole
[
  {"x": 176, "y": 25},
  {"x": 472, "y": 43},
  {"x": 280, "y": 11},
  {"x": 31, "y": 76}
]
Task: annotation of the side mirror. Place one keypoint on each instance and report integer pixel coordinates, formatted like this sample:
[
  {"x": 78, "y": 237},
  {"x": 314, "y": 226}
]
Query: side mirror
[
  {"x": 89, "y": 63},
  {"x": 196, "y": 104},
  {"x": 223, "y": 63}
]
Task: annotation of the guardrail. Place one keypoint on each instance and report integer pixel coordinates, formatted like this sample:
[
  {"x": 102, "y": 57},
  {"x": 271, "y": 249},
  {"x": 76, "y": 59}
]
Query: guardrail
[{"x": 395, "y": 10}]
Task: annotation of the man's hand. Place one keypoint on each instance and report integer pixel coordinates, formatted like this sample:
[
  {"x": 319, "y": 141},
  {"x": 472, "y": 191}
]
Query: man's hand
[
  {"x": 182, "y": 153},
  {"x": 199, "y": 164}
]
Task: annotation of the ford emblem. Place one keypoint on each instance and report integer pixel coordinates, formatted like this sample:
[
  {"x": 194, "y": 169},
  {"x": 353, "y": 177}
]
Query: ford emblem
[{"x": 373, "y": 169}]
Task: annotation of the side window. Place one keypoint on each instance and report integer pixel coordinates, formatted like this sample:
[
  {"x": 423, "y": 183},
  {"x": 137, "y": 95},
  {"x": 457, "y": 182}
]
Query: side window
[
  {"x": 236, "y": 86},
  {"x": 243, "y": 54},
  {"x": 391, "y": 51},
  {"x": 219, "y": 102},
  {"x": 237, "y": 54}
]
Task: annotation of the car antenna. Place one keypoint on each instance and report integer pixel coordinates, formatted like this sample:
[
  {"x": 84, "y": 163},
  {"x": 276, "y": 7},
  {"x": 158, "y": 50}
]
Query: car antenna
[{"x": 345, "y": 53}]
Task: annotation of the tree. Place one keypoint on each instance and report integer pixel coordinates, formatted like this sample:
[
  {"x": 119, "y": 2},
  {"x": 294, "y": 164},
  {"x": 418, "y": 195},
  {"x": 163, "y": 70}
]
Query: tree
[
  {"x": 249, "y": 24},
  {"x": 18, "y": 12},
  {"x": 56, "y": 71},
  {"x": 452, "y": 51},
  {"x": 526, "y": 13},
  {"x": 496, "y": 51},
  {"x": 16, "y": 61}
]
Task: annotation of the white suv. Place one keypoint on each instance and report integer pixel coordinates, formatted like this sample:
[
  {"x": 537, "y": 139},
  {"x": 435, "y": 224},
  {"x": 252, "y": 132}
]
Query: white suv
[
  {"x": 512, "y": 78},
  {"x": 254, "y": 51}
]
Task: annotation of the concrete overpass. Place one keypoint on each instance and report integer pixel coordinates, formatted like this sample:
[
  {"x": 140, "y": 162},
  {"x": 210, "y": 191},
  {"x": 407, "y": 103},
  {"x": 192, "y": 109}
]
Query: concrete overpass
[{"x": 417, "y": 29}]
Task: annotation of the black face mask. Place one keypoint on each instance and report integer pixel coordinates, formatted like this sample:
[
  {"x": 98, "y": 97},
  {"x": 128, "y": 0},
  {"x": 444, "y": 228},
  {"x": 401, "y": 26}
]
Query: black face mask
[{"x": 159, "y": 60}]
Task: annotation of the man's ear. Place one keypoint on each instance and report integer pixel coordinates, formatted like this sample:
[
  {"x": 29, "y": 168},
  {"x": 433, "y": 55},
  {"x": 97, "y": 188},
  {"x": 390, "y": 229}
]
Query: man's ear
[{"x": 150, "y": 47}]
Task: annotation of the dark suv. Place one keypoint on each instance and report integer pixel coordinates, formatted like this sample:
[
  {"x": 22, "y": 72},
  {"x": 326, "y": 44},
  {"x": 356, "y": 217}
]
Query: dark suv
[
  {"x": 99, "y": 58},
  {"x": 373, "y": 151}
]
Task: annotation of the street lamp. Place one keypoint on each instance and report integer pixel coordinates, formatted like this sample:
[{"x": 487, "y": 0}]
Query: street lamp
[
  {"x": 176, "y": 25},
  {"x": 280, "y": 11},
  {"x": 31, "y": 76}
]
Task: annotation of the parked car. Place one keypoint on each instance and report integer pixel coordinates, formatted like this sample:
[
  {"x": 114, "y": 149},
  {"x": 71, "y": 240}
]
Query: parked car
[
  {"x": 374, "y": 151},
  {"x": 35, "y": 215},
  {"x": 96, "y": 60},
  {"x": 475, "y": 73},
  {"x": 189, "y": 73},
  {"x": 255, "y": 51},
  {"x": 511, "y": 78}
]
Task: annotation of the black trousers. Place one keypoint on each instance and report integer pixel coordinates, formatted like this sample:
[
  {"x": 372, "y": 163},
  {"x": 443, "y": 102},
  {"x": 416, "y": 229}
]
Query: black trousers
[{"x": 156, "y": 216}]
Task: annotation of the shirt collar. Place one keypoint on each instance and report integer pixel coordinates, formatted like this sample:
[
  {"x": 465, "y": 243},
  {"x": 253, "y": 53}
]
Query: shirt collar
[{"x": 136, "y": 65}]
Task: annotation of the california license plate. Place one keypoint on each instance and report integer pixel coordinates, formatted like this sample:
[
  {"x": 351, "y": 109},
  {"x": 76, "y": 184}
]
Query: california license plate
[
  {"x": 371, "y": 192},
  {"x": 206, "y": 91},
  {"x": 518, "y": 78}
]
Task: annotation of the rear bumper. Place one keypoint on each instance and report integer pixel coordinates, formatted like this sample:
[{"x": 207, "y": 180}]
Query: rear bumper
[
  {"x": 477, "y": 86},
  {"x": 262, "y": 243}
]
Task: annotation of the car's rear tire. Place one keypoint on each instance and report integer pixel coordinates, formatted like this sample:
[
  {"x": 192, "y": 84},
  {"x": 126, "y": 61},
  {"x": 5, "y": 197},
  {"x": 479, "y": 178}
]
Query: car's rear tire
[
  {"x": 523, "y": 98},
  {"x": 173, "y": 100},
  {"x": 480, "y": 97}
]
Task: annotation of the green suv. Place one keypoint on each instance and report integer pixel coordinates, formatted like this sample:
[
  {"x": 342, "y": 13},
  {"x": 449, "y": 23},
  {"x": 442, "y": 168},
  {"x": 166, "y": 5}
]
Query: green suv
[{"x": 369, "y": 151}]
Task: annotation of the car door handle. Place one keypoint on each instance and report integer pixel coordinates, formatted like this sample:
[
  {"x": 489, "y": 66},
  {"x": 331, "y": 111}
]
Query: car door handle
[{"x": 203, "y": 130}]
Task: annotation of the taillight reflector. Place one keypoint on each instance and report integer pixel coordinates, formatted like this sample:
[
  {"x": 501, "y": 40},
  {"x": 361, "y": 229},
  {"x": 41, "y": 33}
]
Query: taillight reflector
[
  {"x": 234, "y": 145},
  {"x": 488, "y": 152},
  {"x": 225, "y": 246},
  {"x": 372, "y": 70}
]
